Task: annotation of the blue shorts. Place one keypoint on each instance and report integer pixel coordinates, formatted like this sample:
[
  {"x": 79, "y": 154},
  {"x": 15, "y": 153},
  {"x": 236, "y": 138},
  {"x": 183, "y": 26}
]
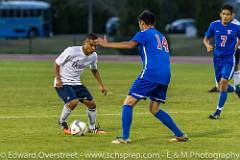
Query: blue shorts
[
  {"x": 68, "y": 93},
  {"x": 141, "y": 89},
  {"x": 224, "y": 67}
]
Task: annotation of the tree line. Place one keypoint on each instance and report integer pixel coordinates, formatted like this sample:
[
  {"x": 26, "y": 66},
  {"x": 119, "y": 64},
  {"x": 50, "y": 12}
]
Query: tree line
[{"x": 71, "y": 16}]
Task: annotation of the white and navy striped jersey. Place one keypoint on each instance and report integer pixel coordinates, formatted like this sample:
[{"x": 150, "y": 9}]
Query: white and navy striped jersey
[{"x": 72, "y": 62}]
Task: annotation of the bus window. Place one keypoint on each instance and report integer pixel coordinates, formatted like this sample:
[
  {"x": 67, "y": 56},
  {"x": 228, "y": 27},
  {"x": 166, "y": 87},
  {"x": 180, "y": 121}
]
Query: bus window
[
  {"x": 26, "y": 13},
  {"x": 38, "y": 13},
  {"x": 11, "y": 13},
  {"x": 18, "y": 13},
  {"x": 4, "y": 13},
  {"x": 32, "y": 13}
]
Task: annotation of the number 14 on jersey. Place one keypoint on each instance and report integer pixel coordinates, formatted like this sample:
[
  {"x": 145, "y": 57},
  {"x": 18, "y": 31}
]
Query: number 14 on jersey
[{"x": 162, "y": 44}]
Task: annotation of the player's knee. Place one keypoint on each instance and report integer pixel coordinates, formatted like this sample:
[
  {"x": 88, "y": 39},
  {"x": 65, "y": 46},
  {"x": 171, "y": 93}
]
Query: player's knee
[
  {"x": 153, "y": 110},
  {"x": 73, "y": 103},
  {"x": 154, "y": 107},
  {"x": 90, "y": 104},
  {"x": 223, "y": 85},
  {"x": 130, "y": 101}
]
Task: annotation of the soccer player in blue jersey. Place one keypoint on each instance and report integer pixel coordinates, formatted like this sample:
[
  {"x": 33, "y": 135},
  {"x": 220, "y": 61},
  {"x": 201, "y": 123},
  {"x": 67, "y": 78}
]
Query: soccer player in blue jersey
[
  {"x": 153, "y": 80},
  {"x": 225, "y": 33}
]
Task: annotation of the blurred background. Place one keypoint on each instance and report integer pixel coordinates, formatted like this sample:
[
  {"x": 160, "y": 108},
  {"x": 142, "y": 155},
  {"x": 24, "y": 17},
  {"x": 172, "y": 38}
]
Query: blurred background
[{"x": 49, "y": 26}]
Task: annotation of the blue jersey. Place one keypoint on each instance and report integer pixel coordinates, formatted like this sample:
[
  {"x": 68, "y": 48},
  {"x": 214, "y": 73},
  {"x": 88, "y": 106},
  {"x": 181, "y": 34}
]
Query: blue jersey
[
  {"x": 225, "y": 37},
  {"x": 153, "y": 48}
]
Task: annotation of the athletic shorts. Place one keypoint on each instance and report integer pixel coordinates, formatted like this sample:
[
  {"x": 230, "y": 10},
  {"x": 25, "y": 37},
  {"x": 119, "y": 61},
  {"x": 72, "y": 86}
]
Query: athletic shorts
[
  {"x": 68, "y": 93},
  {"x": 224, "y": 67},
  {"x": 141, "y": 89}
]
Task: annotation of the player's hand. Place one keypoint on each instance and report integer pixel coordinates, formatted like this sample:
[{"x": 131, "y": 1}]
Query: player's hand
[
  {"x": 102, "y": 41},
  {"x": 210, "y": 48},
  {"x": 103, "y": 90},
  {"x": 58, "y": 83}
]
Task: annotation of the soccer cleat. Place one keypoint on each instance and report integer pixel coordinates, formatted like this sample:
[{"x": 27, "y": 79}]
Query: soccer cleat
[
  {"x": 120, "y": 140},
  {"x": 183, "y": 138},
  {"x": 214, "y": 116},
  {"x": 97, "y": 131},
  {"x": 67, "y": 131},
  {"x": 213, "y": 90},
  {"x": 63, "y": 125},
  {"x": 237, "y": 91}
]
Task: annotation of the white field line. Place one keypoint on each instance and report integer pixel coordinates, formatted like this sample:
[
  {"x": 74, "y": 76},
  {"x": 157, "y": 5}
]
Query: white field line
[{"x": 110, "y": 114}]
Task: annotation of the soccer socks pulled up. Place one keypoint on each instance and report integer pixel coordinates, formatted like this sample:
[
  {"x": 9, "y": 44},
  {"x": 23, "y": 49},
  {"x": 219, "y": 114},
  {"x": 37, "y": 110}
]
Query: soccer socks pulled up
[
  {"x": 65, "y": 113},
  {"x": 127, "y": 112},
  {"x": 168, "y": 121},
  {"x": 236, "y": 78},
  {"x": 221, "y": 101},
  {"x": 92, "y": 114},
  {"x": 231, "y": 88}
]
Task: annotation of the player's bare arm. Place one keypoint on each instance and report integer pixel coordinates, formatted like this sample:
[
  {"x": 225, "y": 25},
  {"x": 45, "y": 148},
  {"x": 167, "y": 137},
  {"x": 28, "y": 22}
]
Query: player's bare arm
[
  {"x": 207, "y": 44},
  {"x": 238, "y": 44},
  {"x": 97, "y": 76},
  {"x": 57, "y": 75},
  {"x": 120, "y": 45}
]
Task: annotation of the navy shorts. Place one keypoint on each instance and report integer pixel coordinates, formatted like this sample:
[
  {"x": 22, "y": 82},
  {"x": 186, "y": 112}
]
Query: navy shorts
[
  {"x": 224, "y": 67},
  {"x": 68, "y": 93},
  {"x": 141, "y": 89}
]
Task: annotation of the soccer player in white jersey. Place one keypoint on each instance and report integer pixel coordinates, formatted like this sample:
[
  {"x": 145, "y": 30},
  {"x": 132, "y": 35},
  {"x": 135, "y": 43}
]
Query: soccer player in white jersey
[{"x": 68, "y": 68}]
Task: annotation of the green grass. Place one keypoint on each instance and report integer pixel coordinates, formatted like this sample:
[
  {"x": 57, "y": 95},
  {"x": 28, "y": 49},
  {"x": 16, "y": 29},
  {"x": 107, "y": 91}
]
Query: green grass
[
  {"x": 180, "y": 45},
  {"x": 30, "y": 109},
  {"x": 186, "y": 46},
  {"x": 51, "y": 45}
]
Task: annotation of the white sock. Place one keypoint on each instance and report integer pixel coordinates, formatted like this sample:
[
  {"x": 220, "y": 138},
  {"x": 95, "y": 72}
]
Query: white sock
[
  {"x": 236, "y": 78},
  {"x": 92, "y": 115},
  {"x": 65, "y": 113}
]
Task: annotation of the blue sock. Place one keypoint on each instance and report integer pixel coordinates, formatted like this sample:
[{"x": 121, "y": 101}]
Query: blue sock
[
  {"x": 222, "y": 99},
  {"x": 168, "y": 121},
  {"x": 127, "y": 112},
  {"x": 230, "y": 88},
  {"x": 218, "y": 112}
]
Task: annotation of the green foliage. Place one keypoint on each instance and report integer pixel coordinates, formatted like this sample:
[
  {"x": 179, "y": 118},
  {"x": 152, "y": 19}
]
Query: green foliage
[
  {"x": 72, "y": 14},
  {"x": 72, "y": 17},
  {"x": 206, "y": 12},
  {"x": 165, "y": 12},
  {"x": 129, "y": 15}
]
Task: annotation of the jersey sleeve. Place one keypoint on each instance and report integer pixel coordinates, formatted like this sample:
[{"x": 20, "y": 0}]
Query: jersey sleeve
[
  {"x": 63, "y": 56},
  {"x": 140, "y": 38},
  {"x": 93, "y": 65},
  {"x": 210, "y": 31}
]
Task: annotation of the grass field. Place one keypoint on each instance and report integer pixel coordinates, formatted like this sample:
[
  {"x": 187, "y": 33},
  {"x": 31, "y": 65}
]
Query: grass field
[
  {"x": 30, "y": 109},
  {"x": 180, "y": 45}
]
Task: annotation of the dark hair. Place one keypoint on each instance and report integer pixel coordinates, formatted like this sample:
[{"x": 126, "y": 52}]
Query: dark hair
[
  {"x": 228, "y": 7},
  {"x": 147, "y": 17},
  {"x": 92, "y": 36}
]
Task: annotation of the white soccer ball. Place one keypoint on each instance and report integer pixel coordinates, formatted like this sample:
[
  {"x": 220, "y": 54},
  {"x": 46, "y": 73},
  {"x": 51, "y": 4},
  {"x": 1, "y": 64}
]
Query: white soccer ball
[{"x": 78, "y": 128}]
